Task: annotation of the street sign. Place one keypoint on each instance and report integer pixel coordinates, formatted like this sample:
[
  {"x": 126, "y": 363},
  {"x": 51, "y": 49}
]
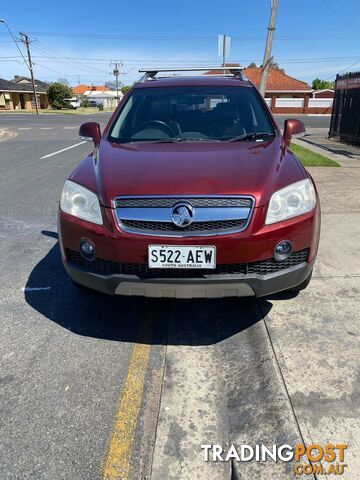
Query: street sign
[{"x": 224, "y": 43}]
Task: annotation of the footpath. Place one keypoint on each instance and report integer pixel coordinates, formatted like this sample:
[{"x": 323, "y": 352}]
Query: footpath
[{"x": 316, "y": 140}]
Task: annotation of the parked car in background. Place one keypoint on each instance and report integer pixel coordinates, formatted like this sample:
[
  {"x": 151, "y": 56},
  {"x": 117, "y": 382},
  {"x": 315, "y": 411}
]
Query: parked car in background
[
  {"x": 191, "y": 191},
  {"x": 73, "y": 102}
]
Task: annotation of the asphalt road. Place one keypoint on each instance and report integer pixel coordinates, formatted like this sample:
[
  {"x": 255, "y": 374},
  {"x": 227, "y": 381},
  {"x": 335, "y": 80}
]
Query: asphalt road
[
  {"x": 310, "y": 121},
  {"x": 278, "y": 370}
]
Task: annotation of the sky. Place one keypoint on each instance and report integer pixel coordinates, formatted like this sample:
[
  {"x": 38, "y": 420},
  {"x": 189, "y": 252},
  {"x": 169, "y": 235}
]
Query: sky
[{"x": 78, "y": 40}]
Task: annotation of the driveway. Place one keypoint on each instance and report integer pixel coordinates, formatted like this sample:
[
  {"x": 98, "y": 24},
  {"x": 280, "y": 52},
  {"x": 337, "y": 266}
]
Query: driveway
[{"x": 97, "y": 387}]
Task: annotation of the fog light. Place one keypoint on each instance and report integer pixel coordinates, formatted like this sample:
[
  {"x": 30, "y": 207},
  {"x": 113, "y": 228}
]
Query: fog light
[
  {"x": 87, "y": 250},
  {"x": 282, "y": 250}
]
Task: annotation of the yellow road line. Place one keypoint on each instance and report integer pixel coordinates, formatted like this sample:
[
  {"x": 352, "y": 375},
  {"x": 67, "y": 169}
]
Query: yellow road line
[{"x": 118, "y": 460}]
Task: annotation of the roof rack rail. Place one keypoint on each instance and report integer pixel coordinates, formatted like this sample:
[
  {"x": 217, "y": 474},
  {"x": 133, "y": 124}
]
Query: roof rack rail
[{"x": 150, "y": 73}]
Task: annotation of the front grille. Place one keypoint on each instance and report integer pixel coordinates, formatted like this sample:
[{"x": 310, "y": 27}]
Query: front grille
[
  {"x": 202, "y": 202},
  {"x": 213, "y": 215},
  {"x": 202, "y": 227},
  {"x": 108, "y": 267}
]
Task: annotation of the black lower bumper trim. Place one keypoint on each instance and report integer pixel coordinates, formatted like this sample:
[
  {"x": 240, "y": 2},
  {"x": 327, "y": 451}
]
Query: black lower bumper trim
[{"x": 216, "y": 286}]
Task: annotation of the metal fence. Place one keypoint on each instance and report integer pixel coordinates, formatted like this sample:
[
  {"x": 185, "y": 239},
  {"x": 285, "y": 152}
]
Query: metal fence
[{"x": 345, "y": 119}]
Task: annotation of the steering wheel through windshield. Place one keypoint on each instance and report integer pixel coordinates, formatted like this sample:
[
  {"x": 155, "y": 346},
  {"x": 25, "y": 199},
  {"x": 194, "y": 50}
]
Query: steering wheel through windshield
[{"x": 157, "y": 124}]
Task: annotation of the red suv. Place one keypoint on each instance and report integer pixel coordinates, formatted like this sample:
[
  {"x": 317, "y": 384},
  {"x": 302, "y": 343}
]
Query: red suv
[{"x": 191, "y": 192}]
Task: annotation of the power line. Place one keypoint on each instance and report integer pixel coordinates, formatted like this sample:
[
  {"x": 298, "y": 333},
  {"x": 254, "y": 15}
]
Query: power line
[
  {"x": 343, "y": 71},
  {"x": 353, "y": 15},
  {"x": 326, "y": 36},
  {"x": 154, "y": 61},
  {"x": 14, "y": 40},
  {"x": 42, "y": 48},
  {"x": 355, "y": 6},
  {"x": 327, "y": 4}
]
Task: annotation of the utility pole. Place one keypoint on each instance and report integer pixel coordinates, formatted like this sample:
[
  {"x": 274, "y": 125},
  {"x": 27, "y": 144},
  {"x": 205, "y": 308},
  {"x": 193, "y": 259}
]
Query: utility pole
[
  {"x": 268, "y": 46},
  {"x": 116, "y": 72},
  {"x": 25, "y": 40}
]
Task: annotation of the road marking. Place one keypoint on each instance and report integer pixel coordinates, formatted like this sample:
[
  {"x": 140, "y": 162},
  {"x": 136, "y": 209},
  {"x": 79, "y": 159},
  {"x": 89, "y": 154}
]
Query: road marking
[
  {"x": 118, "y": 460},
  {"x": 63, "y": 150},
  {"x": 69, "y": 128},
  {"x": 35, "y": 289},
  {"x": 46, "y": 128},
  {"x": 24, "y": 128},
  {"x": 6, "y": 135}
]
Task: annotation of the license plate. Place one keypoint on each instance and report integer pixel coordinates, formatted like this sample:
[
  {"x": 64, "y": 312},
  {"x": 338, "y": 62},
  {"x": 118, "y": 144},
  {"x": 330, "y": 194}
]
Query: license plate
[{"x": 167, "y": 256}]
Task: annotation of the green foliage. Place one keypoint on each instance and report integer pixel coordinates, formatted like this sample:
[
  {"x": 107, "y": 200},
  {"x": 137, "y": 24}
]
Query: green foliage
[
  {"x": 57, "y": 92},
  {"x": 125, "y": 89},
  {"x": 312, "y": 159},
  {"x": 85, "y": 102},
  {"x": 319, "y": 84},
  {"x": 276, "y": 66}
]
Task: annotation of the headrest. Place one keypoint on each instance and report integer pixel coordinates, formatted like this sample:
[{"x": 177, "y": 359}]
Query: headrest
[{"x": 225, "y": 108}]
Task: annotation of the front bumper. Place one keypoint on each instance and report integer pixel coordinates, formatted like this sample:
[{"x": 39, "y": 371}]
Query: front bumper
[{"x": 218, "y": 286}]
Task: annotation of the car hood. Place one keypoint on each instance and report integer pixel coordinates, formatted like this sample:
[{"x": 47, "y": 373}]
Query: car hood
[{"x": 207, "y": 168}]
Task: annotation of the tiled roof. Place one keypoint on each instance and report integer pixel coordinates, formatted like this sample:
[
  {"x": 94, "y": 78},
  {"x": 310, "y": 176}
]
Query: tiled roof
[
  {"x": 276, "y": 80},
  {"x": 81, "y": 89},
  {"x": 11, "y": 86}
]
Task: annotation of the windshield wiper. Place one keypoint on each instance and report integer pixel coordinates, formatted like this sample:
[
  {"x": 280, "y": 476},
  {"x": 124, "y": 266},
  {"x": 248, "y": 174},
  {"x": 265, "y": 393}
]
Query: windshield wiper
[
  {"x": 176, "y": 140},
  {"x": 250, "y": 136},
  {"x": 160, "y": 140}
]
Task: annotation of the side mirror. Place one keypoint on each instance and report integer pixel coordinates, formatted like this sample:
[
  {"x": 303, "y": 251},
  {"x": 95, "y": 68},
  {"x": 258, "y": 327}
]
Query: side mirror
[
  {"x": 90, "y": 132},
  {"x": 292, "y": 128}
]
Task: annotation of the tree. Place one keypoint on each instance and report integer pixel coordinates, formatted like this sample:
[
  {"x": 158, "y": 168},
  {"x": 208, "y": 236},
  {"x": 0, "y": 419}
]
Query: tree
[
  {"x": 110, "y": 85},
  {"x": 319, "y": 84},
  {"x": 252, "y": 65},
  {"x": 275, "y": 66},
  {"x": 64, "y": 81},
  {"x": 125, "y": 89},
  {"x": 57, "y": 93}
]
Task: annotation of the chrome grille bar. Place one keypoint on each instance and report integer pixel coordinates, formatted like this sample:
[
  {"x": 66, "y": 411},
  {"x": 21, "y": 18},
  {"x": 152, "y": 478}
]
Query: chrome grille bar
[
  {"x": 169, "y": 201},
  {"x": 202, "y": 214},
  {"x": 212, "y": 215}
]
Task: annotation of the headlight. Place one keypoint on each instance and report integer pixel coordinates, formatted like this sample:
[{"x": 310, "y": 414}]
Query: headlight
[
  {"x": 80, "y": 202},
  {"x": 291, "y": 201}
]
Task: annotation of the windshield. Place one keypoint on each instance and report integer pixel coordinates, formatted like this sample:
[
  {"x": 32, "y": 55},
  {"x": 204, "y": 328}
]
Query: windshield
[{"x": 199, "y": 113}]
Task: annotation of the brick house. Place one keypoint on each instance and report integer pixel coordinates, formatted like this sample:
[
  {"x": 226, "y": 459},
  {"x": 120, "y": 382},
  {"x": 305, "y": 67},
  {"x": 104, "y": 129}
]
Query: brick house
[
  {"x": 17, "y": 94},
  {"x": 284, "y": 94},
  {"x": 287, "y": 95}
]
